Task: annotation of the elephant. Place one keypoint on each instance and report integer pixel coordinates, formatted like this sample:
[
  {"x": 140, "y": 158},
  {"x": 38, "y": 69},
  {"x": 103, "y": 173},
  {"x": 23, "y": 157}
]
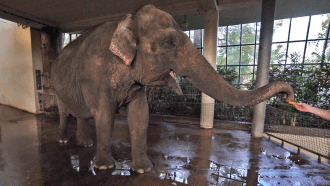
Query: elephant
[{"x": 109, "y": 66}]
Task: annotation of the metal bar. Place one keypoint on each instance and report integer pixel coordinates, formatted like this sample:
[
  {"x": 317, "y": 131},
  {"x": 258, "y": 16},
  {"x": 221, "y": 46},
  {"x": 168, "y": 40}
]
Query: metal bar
[
  {"x": 255, "y": 49},
  {"x": 281, "y": 42},
  {"x": 287, "y": 42},
  {"x": 316, "y": 153},
  {"x": 240, "y": 54},
  {"x": 226, "y": 47},
  {"x": 296, "y": 41},
  {"x": 325, "y": 42},
  {"x": 309, "y": 24}
]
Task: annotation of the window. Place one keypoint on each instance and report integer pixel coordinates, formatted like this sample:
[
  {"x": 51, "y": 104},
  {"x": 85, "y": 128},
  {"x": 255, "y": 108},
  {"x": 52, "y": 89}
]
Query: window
[
  {"x": 301, "y": 41},
  {"x": 67, "y": 38},
  {"x": 197, "y": 38}
]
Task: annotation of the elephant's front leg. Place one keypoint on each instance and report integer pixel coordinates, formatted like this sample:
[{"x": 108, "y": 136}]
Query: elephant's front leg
[
  {"x": 104, "y": 120},
  {"x": 138, "y": 117}
]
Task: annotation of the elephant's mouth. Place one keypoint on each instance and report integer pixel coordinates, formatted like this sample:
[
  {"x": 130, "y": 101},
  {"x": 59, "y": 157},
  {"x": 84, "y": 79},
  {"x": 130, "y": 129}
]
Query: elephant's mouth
[{"x": 169, "y": 79}]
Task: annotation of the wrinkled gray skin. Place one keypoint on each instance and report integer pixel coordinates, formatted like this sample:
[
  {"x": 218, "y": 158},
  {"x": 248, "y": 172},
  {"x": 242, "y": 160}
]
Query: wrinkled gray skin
[{"x": 109, "y": 66}]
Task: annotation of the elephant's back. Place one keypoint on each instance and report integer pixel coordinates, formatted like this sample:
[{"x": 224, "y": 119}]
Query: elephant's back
[{"x": 65, "y": 72}]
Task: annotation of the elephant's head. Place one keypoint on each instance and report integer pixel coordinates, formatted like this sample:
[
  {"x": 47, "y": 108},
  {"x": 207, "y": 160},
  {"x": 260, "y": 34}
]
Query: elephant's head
[{"x": 155, "y": 47}]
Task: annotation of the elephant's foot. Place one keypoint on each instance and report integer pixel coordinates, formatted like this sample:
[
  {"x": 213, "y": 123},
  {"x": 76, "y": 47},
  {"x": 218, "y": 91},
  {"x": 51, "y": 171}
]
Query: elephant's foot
[
  {"x": 83, "y": 139},
  {"x": 141, "y": 165},
  {"x": 103, "y": 163},
  {"x": 63, "y": 138},
  {"x": 85, "y": 142}
]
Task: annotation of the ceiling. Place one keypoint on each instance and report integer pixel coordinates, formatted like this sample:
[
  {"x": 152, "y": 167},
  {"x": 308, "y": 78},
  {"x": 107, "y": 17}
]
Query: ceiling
[
  {"x": 72, "y": 15},
  {"x": 77, "y": 15}
]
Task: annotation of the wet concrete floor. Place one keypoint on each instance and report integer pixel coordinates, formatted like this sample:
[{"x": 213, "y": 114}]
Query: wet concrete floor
[{"x": 181, "y": 155}]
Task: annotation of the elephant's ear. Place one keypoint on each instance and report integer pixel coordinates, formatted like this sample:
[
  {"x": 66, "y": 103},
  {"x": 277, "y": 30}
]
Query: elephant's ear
[{"x": 123, "y": 43}]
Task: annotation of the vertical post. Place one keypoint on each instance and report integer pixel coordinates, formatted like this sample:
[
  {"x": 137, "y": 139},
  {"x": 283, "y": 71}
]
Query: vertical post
[
  {"x": 210, "y": 53},
  {"x": 265, "y": 47}
]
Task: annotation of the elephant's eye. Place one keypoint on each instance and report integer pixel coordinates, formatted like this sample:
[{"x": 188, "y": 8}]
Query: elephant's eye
[{"x": 169, "y": 43}]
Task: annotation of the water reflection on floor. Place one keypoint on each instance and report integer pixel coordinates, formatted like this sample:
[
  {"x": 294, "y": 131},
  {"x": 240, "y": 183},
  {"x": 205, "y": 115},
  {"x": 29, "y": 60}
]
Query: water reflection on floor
[{"x": 181, "y": 155}]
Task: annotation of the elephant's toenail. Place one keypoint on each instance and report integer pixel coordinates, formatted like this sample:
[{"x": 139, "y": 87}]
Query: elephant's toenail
[
  {"x": 103, "y": 167},
  {"x": 141, "y": 171}
]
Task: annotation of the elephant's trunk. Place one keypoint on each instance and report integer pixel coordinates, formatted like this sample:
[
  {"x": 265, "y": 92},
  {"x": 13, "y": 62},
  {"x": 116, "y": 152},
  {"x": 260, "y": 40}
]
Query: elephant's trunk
[{"x": 196, "y": 69}]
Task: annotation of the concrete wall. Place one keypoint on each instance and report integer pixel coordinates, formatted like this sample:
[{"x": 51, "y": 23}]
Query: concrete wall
[{"x": 17, "y": 80}]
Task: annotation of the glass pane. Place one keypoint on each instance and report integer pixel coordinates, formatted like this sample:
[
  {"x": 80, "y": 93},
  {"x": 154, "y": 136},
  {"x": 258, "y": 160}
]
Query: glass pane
[
  {"x": 66, "y": 39},
  {"x": 295, "y": 52},
  {"x": 187, "y": 33},
  {"x": 314, "y": 51},
  {"x": 246, "y": 80},
  {"x": 203, "y": 38},
  {"x": 222, "y": 35},
  {"x": 258, "y": 31},
  {"x": 234, "y": 77},
  {"x": 196, "y": 38},
  {"x": 327, "y": 52},
  {"x": 234, "y": 33},
  {"x": 299, "y": 28},
  {"x": 246, "y": 74},
  {"x": 281, "y": 30},
  {"x": 278, "y": 53},
  {"x": 221, "y": 56},
  {"x": 249, "y": 33},
  {"x": 191, "y": 35},
  {"x": 235, "y": 68},
  {"x": 245, "y": 70},
  {"x": 73, "y": 37},
  {"x": 309, "y": 70},
  {"x": 233, "y": 55},
  {"x": 247, "y": 53},
  {"x": 256, "y": 54},
  {"x": 318, "y": 27}
]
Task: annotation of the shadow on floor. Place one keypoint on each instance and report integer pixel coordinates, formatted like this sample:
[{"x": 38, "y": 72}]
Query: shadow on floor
[{"x": 181, "y": 155}]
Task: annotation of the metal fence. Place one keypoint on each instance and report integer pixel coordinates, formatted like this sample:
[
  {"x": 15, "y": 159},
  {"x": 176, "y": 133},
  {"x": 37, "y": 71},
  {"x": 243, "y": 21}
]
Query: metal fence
[{"x": 307, "y": 132}]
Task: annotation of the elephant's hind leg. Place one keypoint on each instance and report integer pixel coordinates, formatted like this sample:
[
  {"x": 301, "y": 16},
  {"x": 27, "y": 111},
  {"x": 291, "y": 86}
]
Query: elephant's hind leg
[
  {"x": 82, "y": 136},
  {"x": 63, "y": 128}
]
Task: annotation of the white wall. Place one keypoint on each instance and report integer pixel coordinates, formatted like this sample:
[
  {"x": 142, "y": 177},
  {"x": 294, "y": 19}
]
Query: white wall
[{"x": 16, "y": 67}]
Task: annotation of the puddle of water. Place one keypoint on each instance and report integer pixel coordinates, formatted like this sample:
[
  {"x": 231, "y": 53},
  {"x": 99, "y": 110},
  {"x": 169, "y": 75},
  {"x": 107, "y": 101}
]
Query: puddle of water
[
  {"x": 217, "y": 173},
  {"x": 75, "y": 162},
  {"x": 122, "y": 169},
  {"x": 290, "y": 157},
  {"x": 180, "y": 176},
  {"x": 297, "y": 159}
]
